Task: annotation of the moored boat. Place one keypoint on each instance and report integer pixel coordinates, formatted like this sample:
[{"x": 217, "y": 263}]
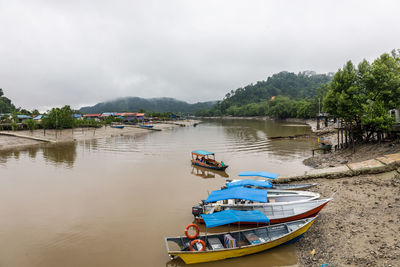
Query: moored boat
[
  {"x": 267, "y": 184},
  {"x": 277, "y": 213},
  {"x": 146, "y": 126},
  {"x": 117, "y": 126},
  {"x": 221, "y": 246},
  {"x": 273, "y": 176},
  {"x": 239, "y": 195},
  {"x": 206, "y": 159}
]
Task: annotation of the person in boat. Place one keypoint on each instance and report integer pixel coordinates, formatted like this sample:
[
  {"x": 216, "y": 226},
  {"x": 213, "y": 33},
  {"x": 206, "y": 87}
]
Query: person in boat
[
  {"x": 202, "y": 159},
  {"x": 222, "y": 164}
]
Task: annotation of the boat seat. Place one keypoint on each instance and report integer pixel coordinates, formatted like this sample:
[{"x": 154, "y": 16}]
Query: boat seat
[
  {"x": 252, "y": 238},
  {"x": 215, "y": 243}
]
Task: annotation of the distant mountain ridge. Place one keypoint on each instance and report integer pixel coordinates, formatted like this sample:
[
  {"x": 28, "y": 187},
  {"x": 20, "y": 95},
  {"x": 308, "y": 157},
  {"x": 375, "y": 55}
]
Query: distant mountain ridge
[{"x": 163, "y": 104}]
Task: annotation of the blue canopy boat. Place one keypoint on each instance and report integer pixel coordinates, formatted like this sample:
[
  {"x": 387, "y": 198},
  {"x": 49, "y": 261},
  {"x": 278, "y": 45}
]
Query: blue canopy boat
[
  {"x": 206, "y": 248},
  {"x": 206, "y": 159},
  {"x": 267, "y": 184}
]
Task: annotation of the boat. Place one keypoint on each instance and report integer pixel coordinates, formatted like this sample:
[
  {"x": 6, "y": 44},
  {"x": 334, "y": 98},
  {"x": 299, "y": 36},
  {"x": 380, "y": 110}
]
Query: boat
[
  {"x": 278, "y": 208},
  {"x": 220, "y": 246},
  {"x": 273, "y": 176},
  {"x": 206, "y": 159},
  {"x": 145, "y": 126},
  {"x": 239, "y": 195},
  {"x": 117, "y": 126},
  {"x": 267, "y": 184},
  {"x": 277, "y": 213}
]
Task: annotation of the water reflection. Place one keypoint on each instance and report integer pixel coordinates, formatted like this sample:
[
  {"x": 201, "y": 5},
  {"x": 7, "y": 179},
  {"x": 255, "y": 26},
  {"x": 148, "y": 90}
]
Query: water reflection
[
  {"x": 207, "y": 173},
  {"x": 64, "y": 153},
  {"x": 16, "y": 154}
]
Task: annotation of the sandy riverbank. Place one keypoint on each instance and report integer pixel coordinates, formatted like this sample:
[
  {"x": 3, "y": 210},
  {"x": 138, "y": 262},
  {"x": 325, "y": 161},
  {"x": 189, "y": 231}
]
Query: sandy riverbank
[
  {"x": 77, "y": 134},
  {"x": 359, "y": 227}
]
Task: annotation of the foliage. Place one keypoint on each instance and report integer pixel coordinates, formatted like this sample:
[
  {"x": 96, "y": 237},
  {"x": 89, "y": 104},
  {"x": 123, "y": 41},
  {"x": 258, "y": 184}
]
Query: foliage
[
  {"x": 361, "y": 97},
  {"x": 31, "y": 124},
  {"x": 294, "y": 86},
  {"x": 5, "y": 104},
  {"x": 14, "y": 126},
  {"x": 376, "y": 117},
  {"x": 59, "y": 118}
]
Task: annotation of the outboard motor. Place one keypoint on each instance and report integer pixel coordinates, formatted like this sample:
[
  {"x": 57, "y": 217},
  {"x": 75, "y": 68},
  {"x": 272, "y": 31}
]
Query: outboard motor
[{"x": 197, "y": 211}]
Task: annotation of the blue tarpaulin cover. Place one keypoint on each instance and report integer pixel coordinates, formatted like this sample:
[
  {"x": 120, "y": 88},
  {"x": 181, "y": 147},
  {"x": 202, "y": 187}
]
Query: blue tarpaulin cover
[
  {"x": 246, "y": 182},
  {"x": 232, "y": 216},
  {"x": 268, "y": 175},
  {"x": 202, "y": 152},
  {"x": 259, "y": 195}
]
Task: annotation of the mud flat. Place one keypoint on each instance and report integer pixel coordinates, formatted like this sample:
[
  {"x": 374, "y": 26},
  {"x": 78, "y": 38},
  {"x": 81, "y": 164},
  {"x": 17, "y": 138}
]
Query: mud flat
[
  {"x": 20, "y": 139},
  {"x": 359, "y": 227}
]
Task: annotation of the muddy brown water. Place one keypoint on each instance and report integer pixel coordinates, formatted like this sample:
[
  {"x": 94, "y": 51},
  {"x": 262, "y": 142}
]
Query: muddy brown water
[{"x": 111, "y": 202}]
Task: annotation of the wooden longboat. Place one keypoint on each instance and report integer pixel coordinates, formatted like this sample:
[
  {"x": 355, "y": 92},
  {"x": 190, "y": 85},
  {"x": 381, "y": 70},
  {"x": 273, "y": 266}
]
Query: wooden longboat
[
  {"x": 278, "y": 213},
  {"x": 249, "y": 241},
  {"x": 206, "y": 159}
]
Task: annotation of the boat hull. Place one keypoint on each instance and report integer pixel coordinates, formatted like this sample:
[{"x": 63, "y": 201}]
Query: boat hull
[
  {"x": 205, "y": 165},
  {"x": 307, "y": 214},
  {"x": 191, "y": 257}
]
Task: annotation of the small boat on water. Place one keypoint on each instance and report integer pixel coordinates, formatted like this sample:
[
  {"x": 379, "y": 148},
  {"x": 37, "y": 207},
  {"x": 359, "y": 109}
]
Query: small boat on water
[
  {"x": 146, "y": 126},
  {"x": 117, "y": 126},
  {"x": 214, "y": 247},
  {"x": 267, "y": 183},
  {"x": 206, "y": 159}
]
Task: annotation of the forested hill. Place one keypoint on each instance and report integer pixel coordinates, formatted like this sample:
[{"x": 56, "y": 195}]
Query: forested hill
[
  {"x": 153, "y": 104},
  {"x": 282, "y": 95},
  {"x": 294, "y": 86},
  {"x": 5, "y": 103}
]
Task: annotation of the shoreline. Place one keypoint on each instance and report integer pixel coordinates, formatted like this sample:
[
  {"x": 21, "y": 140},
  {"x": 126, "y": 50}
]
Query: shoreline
[{"x": 25, "y": 139}]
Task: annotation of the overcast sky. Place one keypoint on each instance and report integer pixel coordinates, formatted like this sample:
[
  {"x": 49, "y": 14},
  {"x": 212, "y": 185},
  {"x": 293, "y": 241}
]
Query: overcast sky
[{"x": 81, "y": 52}]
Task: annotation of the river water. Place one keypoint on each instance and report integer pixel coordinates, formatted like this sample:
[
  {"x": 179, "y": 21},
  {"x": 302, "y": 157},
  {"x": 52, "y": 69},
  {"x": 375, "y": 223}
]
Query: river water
[{"x": 111, "y": 201}]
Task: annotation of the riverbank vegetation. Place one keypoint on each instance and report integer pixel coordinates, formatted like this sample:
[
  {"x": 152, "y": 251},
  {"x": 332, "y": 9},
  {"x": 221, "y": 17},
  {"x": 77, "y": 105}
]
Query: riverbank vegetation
[
  {"x": 361, "y": 97},
  {"x": 283, "y": 95}
]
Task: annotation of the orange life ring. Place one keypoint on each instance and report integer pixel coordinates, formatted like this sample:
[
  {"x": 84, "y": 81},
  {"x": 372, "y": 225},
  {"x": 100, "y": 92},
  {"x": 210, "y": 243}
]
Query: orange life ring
[
  {"x": 197, "y": 241},
  {"x": 187, "y": 228}
]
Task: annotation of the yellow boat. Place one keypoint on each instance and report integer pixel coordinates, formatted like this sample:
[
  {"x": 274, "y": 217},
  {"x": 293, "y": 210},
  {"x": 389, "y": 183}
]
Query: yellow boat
[{"x": 222, "y": 246}]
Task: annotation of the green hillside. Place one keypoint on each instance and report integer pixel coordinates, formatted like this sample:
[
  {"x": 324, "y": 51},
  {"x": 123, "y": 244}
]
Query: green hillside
[
  {"x": 282, "y": 95},
  {"x": 153, "y": 104}
]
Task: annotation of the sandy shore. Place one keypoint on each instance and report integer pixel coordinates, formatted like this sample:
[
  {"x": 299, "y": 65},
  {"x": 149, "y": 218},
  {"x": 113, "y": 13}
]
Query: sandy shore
[
  {"x": 77, "y": 134},
  {"x": 359, "y": 227}
]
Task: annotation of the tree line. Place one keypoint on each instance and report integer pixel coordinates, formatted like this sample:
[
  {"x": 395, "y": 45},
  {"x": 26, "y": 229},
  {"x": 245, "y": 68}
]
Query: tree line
[
  {"x": 361, "y": 96},
  {"x": 283, "y": 95}
]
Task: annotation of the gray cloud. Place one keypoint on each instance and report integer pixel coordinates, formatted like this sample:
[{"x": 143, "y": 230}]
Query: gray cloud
[{"x": 54, "y": 53}]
